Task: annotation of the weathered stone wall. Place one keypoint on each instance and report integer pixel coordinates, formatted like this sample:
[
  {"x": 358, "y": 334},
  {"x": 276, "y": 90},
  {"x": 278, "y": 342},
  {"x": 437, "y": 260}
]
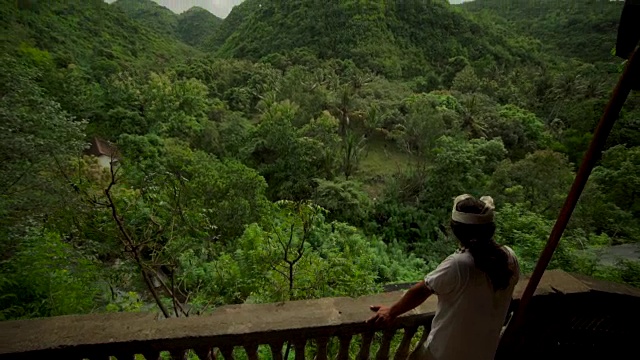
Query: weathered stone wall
[{"x": 560, "y": 299}]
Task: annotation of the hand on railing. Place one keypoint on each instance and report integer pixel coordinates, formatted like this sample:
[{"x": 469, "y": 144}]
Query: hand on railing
[
  {"x": 382, "y": 315},
  {"x": 385, "y": 315}
]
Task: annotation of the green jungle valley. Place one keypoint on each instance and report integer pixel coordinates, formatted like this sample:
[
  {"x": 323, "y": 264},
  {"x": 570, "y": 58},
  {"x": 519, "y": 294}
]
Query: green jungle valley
[{"x": 174, "y": 163}]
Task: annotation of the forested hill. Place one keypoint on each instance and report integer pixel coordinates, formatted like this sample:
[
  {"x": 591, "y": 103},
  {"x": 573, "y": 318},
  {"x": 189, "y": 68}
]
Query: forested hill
[
  {"x": 154, "y": 16},
  {"x": 191, "y": 27},
  {"x": 90, "y": 33},
  {"x": 196, "y": 25},
  {"x": 394, "y": 38},
  {"x": 584, "y": 29}
]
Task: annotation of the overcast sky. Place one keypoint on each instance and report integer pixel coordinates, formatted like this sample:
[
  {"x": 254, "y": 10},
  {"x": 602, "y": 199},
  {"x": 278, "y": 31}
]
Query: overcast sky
[{"x": 220, "y": 8}]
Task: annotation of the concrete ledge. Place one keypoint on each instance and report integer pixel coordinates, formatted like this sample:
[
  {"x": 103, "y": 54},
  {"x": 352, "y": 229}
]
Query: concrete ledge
[
  {"x": 234, "y": 325},
  {"x": 228, "y": 325}
]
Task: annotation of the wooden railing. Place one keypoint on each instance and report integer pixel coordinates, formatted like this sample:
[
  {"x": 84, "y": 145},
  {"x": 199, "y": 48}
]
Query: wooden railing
[
  {"x": 328, "y": 328},
  {"x": 313, "y": 329}
]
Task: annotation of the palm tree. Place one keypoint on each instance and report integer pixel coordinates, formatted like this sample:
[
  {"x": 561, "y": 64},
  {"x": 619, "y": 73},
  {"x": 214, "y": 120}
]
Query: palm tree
[{"x": 471, "y": 113}]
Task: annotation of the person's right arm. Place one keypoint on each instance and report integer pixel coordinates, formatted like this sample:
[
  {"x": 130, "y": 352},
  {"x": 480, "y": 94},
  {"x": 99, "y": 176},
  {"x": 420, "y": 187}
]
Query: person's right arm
[
  {"x": 409, "y": 301},
  {"x": 444, "y": 280}
]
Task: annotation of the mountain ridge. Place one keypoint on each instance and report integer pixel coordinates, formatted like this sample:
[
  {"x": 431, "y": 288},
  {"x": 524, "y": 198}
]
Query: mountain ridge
[
  {"x": 89, "y": 33},
  {"x": 218, "y": 9},
  {"x": 396, "y": 39},
  {"x": 196, "y": 25},
  {"x": 190, "y": 27},
  {"x": 153, "y": 15}
]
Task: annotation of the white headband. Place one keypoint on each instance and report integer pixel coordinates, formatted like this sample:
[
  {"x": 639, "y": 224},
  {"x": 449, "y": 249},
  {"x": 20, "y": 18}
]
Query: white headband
[{"x": 473, "y": 219}]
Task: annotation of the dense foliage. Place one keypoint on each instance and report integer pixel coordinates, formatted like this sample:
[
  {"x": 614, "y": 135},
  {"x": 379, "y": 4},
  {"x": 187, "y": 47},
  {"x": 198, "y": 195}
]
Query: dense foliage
[
  {"x": 297, "y": 149},
  {"x": 588, "y": 27},
  {"x": 395, "y": 38}
]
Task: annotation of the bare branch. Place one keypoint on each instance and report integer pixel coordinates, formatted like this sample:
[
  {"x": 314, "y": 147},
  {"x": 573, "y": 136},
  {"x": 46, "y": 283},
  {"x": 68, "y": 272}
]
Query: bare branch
[
  {"x": 286, "y": 251},
  {"x": 278, "y": 236},
  {"x": 129, "y": 243},
  {"x": 172, "y": 295},
  {"x": 273, "y": 267}
]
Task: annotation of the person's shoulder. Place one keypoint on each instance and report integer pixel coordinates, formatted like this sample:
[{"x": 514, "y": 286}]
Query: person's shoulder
[
  {"x": 513, "y": 259},
  {"x": 459, "y": 258},
  {"x": 509, "y": 251},
  {"x": 462, "y": 258},
  {"x": 460, "y": 254}
]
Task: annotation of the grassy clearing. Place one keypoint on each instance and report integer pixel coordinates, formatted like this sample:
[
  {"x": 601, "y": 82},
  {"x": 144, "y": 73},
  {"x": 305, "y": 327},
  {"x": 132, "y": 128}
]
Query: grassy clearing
[{"x": 381, "y": 160}]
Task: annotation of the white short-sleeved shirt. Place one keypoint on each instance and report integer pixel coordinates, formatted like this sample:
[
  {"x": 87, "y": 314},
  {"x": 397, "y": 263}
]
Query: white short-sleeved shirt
[{"x": 470, "y": 314}]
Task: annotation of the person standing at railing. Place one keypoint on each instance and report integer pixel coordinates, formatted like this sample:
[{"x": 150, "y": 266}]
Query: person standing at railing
[{"x": 474, "y": 288}]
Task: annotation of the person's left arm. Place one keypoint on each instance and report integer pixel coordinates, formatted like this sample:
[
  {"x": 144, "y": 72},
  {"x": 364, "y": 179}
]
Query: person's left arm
[{"x": 409, "y": 301}]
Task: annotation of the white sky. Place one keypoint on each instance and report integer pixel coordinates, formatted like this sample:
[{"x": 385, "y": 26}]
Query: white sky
[{"x": 220, "y": 8}]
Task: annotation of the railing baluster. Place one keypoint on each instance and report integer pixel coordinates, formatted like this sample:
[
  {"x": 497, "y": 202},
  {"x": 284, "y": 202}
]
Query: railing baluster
[
  {"x": 227, "y": 352},
  {"x": 299, "y": 346},
  {"x": 178, "y": 354},
  {"x": 345, "y": 341},
  {"x": 125, "y": 356},
  {"x": 415, "y": 354},
  {"x": 403, "y": 349},
  {"x": 322, "y": 348},
  {"x": 151, "y": 355},
  {"x": 252, "y": 351},
  {"x": 276, "y": 350},
  {"x": 383, "y": 352},
  {"x": 367, "y": 338},
  {"x": 204, "y": 353}
]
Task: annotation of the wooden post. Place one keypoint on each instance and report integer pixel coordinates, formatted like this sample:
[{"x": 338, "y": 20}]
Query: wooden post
[{"x": 512, "y": 337}]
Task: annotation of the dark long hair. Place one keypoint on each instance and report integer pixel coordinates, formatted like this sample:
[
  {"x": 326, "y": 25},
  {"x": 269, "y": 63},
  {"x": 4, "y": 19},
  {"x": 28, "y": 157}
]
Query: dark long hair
[{"x": 488, "y": 256}]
